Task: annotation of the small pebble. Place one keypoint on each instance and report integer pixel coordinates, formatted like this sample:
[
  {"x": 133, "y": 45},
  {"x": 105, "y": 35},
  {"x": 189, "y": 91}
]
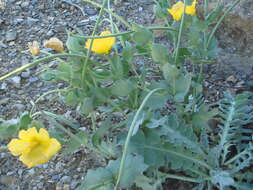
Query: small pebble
[{"x": 10, "y": 36}]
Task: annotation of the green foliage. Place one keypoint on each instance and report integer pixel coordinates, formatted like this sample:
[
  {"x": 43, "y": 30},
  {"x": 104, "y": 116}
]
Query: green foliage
[
  {"x": 160, "y": 53},
  {"x": 10, "y": 127},
  {"x": 141, "y": 36},
  {"x": 149, "y": 119},
  {"x": 103, "y": 178}
]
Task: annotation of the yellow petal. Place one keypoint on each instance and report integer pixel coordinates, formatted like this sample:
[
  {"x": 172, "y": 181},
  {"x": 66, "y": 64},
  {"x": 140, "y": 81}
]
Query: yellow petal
[
  {"x": 43, "y": 134},
  {"x": 54, "y": 147},
  {"x": 103, "y": 45},
  {"x": 55, "y": 44},
  {"x": 177, "y": 10},
  {"x": 18, "y": 147},
  {"x": 34, "y": 48},
  {"x": 33, "y": 158},
  {"x": 175, "y": 14},
  {"x": 191, "y": 10},
  {"x": 34, "y": 147},
  {"x": 28, "y": 134}
]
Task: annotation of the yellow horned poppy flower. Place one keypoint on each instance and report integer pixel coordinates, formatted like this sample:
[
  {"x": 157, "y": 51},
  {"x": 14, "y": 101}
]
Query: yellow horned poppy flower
[
  {"x": 34, "y": 147},
  {"x": 102, "y": 45},
  {"x": 34, "y": 47},
  {"x": 55, "y": 44},
  {"x": 177, "y": 10},
  {"x": 191, "y": 10}
]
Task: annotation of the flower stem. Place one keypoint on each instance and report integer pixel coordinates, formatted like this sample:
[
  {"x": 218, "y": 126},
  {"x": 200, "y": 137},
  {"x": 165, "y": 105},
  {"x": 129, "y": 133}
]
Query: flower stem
[
  {"x": 120, "y": 33},
  {"x": 172, "y": 176},
  {"x": 129, "y": 135},
  {"x": 180, "y": 35},
  {"x": 89, "y": 50},
  {"x": 220, "y": 20},
  {"x": 206, "y": 5},
  {"x": 109, "y": 12},
  {"x": 36, "y": 62}
]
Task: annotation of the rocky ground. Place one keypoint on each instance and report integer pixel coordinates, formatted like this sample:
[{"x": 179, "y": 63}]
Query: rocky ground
[{"x": 28, "y": 20}]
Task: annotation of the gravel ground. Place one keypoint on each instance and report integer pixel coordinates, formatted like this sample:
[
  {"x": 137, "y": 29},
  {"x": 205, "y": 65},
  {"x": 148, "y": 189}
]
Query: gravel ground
[{"x": 28, "y": 20}]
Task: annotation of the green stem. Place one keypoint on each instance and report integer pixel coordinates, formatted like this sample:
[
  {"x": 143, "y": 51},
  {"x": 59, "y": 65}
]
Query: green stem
[
  {"x": 46, "y": 94},
  {"x": 220, "y": 20},
  {"x": 100, "y": 185},
  {"x": 129, "y": 135},
  {"x": 56, "y": 124},
  {"x": 93, "y": 121},
  {"x": 172, "y": 176},
  {"x": 180, "y": 35},
  {"x": 120, "y": 33},
  {"x": 109, "y": 12},
  {"x": 71, "y": 134},
  {"x": 36, "y": 62},
  {"x": 200, "y": 72},
  {"x": 59, "y": 118},
  {"x": 226, "y": 129},
  {"x": 111, "y": 21},
  {"x": 85, "y": 65},
  {"x": 235, "y": 158},
  {"x": 206, "y": 5},
  {"x": 51, "y": 92}
]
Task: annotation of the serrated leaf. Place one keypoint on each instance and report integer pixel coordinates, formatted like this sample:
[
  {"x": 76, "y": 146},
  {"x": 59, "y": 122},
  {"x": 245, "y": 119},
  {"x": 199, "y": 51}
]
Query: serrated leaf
[
  {"x": 222, "y": 178},
  {"x": 24, "y": 120},
  {"x": 181, "y": 158},
  {"x": 148, "y": 137},
  {"x": 170, "y": 72},
  {"x": 202, "y": 116},
  {"x": 154, "y": 123},
  {"x": 138, "y": 122},
  {"x": 48, "y": 76},
  {"x": 141, "y": 35},
  {"x": 144, "y": 182},
  {"x": 122, "y": 88},
  {"x": 242, "y": 186},
  {"x": 160, "y": 53},
  {"x": 72, "y": 144},
  {"x": 210, "y": 18},
  {"x": 182, "y": 86},
  {"x": 8, "y": 128},
  {"x": 134, "y": 166},
  {"x": 86, "y": 106},
  {"x": 180, "y": 135},
  {"x": 74, "y": 44},
  {"x": 71, "y": 98},
  {"x": 99, "y": 135},
  {"x": 96, "y": 179},
  {"x": 128, "y": 53}
]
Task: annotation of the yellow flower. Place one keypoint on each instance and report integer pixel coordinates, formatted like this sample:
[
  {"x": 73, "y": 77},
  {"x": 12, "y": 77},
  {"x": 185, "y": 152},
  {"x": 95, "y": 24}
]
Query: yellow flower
[
  {"x": 34, "y": 48},
  {"x": 34, "y": 147},
  {"x": 55, "y": 44},
  {"x": 177, "y": 10},
  {"x": 191, "y": 10},
  {"x": 102, "y": 45}
]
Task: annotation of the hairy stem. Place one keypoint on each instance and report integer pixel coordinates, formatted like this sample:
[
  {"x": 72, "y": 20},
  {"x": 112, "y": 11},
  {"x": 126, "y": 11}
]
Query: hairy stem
[
  {"x": 180, "y": 35},
  {"x": 120, "y": 33},
  {"x": 129, "y": 135},
  {"x": 109, "y": 12},
  {"x": 220, "y": 20},
  {"x": 36, "y": 62},
  {"x": 85, "y": 65},
  {"x": 173, "y": 176}
]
